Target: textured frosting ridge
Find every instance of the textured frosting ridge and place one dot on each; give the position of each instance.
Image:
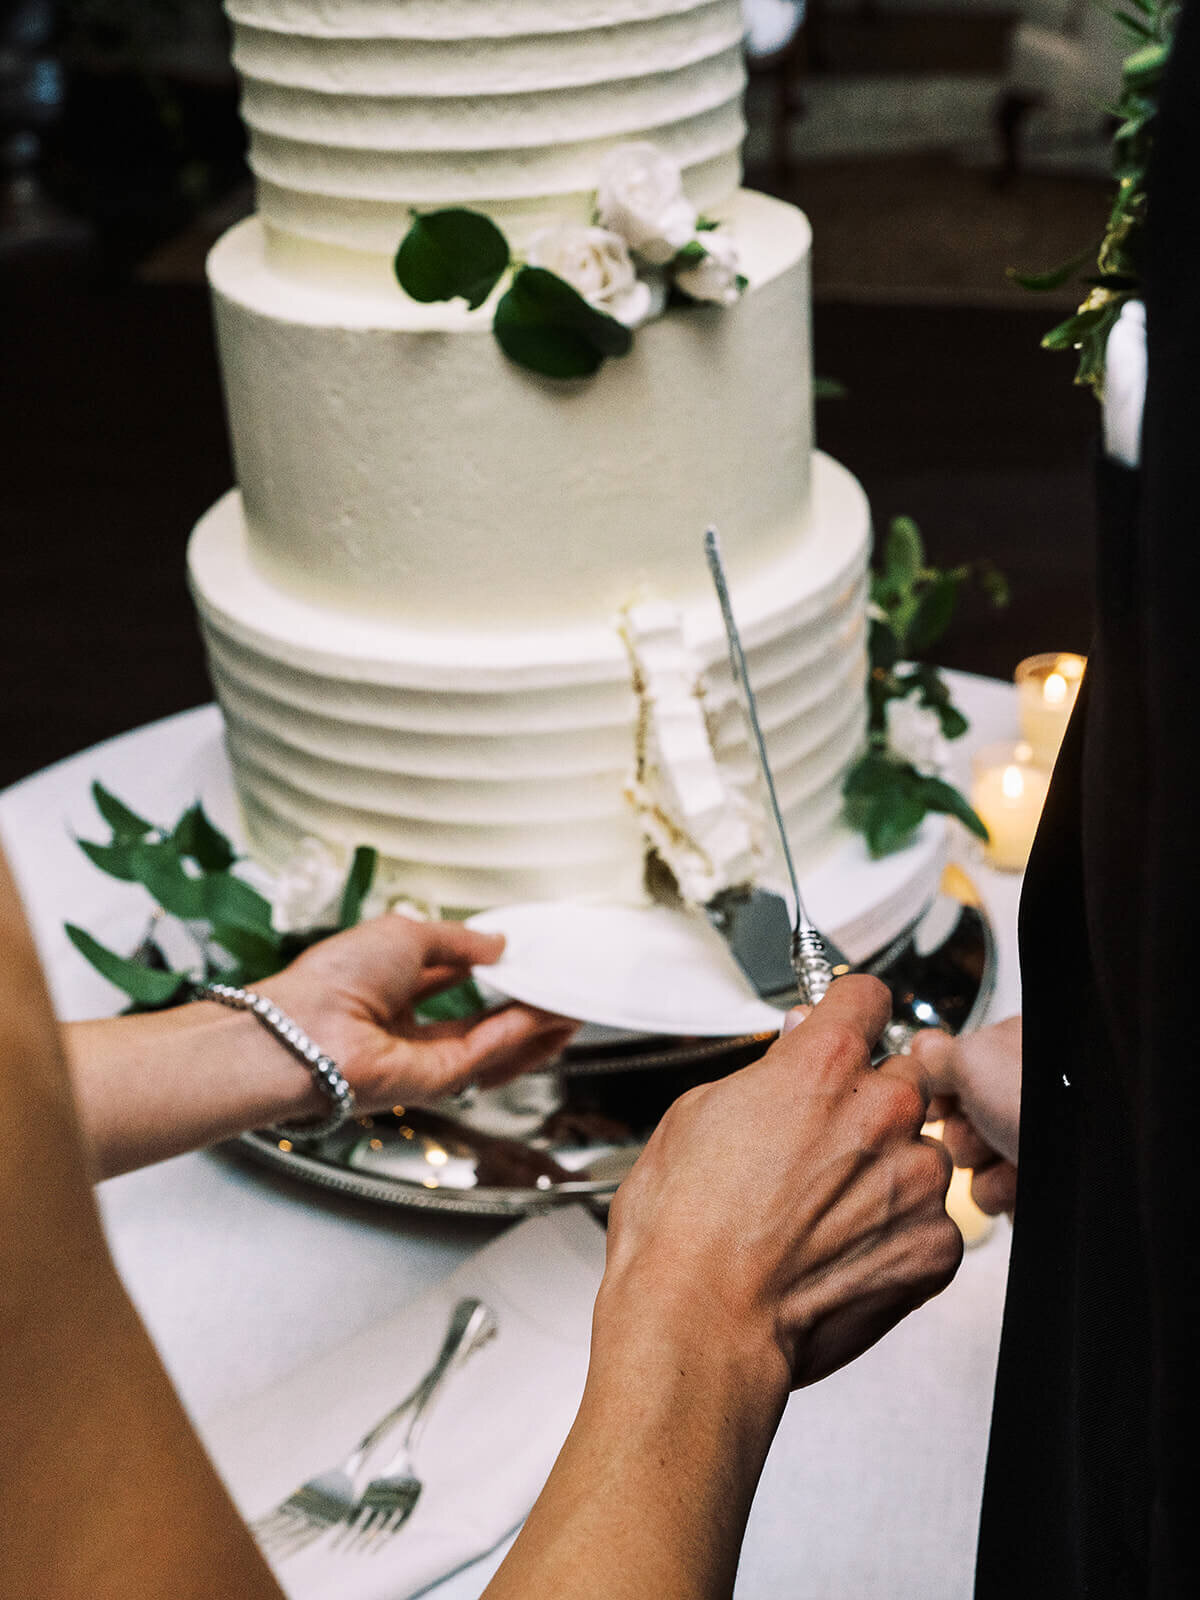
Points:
(358, 112)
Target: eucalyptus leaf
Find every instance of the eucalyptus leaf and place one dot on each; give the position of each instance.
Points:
(452, 254)
(891, 824)
(829, 389)
(1055, 277)
(1069, 334)
(155, 864)
(195, 836)
(904, 553)
(143, 984)
(257, 957)
(452, 1005)
(231, 900)
(1145, 65)
(940, 796)
(542, 323)
(934, 611)
(358, 885)
(125, 824)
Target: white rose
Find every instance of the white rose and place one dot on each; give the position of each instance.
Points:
(597, 264)
(308, 891)
(640, 196)
(715, 275)
(914, 733)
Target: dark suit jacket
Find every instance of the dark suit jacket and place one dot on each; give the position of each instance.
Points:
(1096, 1428)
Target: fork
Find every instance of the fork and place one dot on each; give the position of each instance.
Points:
(332, 1497)
(389, 1500)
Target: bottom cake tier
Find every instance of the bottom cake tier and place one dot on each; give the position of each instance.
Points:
(502, 768)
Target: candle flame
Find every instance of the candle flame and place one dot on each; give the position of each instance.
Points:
(1054, 690)
(1012, 783)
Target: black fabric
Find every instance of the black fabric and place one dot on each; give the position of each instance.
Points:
(1095, 1427)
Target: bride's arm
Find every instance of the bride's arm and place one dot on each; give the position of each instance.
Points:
(155, 1085)
(105, 1489)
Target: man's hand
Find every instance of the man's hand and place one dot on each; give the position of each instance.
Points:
(794, 1203)
(976, 1080)
(355, 993)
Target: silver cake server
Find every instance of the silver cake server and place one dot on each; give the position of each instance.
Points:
(815, 961)
(755, 921)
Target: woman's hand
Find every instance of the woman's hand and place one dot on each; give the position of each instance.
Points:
(794, 1202)
(153, 1086)
(976, 1080)
(778, 1222)
(355, 995)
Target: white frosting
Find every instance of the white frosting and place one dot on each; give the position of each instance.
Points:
(393, 473)
(491, 767)
(356, 113)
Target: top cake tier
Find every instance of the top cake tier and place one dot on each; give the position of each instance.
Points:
(360, 110)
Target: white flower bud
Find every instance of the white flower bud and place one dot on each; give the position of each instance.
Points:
(715, 276)
(640, 196)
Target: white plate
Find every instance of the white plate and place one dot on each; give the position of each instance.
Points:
(646, 969)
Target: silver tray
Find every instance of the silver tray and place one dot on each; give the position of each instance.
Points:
(570, 1136)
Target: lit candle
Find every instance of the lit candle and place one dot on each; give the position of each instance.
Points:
(1047, 688)
(974, 1224)
(1008, 791)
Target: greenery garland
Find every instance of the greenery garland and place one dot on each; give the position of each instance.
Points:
(1118, 256)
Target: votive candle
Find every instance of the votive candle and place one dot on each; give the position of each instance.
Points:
(1008, 791)
(1047, 688)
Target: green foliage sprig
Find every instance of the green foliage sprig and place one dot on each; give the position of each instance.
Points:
(188, 871)
(886, 796)
(541, 321)
(1116, 261)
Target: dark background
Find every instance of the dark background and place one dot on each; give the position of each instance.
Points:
(110, 409)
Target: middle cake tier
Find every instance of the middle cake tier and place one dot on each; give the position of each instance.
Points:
(394, 463)
(491, 768)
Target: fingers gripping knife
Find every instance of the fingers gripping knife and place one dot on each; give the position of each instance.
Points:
(812, 958)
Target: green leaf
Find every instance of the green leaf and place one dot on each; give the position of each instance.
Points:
(1144, 65)
(154, 864)
(883, 648)
(195, 836)
(232, 901)
(829, 389)
(358, 885)
(125, 824)
(1055, 277)
(691, 255)
(939, 796)
(257, 956)
(1067, 335)
(544, 324)
(994, 584)
(452, 1005)
(904, 554)
(893, 822)
(1135, 25)
(448, 255)
(143, 984)
(706, 225)
(932, 616)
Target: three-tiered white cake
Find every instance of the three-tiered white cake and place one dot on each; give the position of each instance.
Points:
(459, 611)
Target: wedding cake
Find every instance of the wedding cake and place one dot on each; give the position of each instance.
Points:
(458, 610)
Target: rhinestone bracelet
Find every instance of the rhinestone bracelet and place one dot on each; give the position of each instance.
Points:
(325, 1072)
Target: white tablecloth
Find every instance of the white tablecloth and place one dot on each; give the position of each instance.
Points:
(872, 1489)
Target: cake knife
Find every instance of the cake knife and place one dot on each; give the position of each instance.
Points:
(813, 958)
